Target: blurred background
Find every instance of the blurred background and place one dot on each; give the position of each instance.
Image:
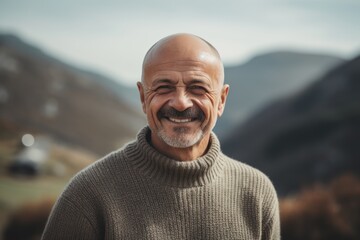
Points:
(68, 73)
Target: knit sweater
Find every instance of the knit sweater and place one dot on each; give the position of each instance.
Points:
(138, 193)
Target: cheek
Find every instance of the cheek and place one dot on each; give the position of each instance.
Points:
(208, 105)
(211, 102)
(154, 104)
(212, 108)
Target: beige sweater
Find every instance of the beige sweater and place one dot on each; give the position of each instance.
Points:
(138, 193)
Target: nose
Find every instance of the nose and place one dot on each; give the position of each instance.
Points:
(180, 100)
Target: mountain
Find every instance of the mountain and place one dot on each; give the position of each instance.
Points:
(266, 77)
(75, 106)
(125, 93)
(310, 136)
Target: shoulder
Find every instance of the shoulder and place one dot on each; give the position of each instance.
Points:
(87, 193)
(255, 186)
(249, 177)
(97, 176)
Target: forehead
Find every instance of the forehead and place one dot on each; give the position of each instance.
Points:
(182, 55)
(180, 49)
(182, 71)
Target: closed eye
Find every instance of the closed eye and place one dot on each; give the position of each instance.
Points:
(164, 89)
(196, 89)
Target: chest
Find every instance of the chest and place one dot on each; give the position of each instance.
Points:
(195, 213)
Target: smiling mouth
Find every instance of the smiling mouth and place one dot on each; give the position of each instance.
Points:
(190, 115)
(182, 120)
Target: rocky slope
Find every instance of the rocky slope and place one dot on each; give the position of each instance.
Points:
(41, 93)
(267, 77)
(310, 136)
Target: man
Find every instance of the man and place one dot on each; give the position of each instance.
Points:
(173, 182)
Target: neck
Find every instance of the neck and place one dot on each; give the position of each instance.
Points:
(182, 154)
(167, 171)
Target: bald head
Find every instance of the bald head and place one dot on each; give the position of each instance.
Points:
(182, 94)
(183, 47)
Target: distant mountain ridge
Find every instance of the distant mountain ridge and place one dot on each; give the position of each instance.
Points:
(252, 85)
(73, 105)
(310, 136)
(125, 93)
(266, 77)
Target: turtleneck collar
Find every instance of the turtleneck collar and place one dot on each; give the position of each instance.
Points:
(170, 172)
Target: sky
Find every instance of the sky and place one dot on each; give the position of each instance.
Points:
(112, 37)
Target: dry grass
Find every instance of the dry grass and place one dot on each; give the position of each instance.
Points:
(323, 212)
(26, 201)
(68, 160)
(17, 192)
(28, 222)
(8, 149)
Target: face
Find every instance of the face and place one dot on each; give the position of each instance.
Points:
(182, 96)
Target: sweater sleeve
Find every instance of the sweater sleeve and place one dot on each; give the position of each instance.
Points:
(271, 230)
(67, 221)
(271, 222)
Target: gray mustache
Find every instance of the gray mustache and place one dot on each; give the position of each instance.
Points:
(169, 112)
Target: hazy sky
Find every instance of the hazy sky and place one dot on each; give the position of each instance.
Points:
(113, 36)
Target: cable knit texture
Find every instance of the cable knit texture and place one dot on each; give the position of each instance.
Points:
(138, 193)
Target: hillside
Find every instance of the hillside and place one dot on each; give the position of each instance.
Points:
(47, 96)
(267, 77)
(307, 137)
(125, 93)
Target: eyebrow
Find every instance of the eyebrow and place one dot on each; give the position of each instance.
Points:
(163, 80)
(173, 82)
(197, 81)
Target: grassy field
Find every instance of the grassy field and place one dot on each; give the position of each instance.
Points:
(16, 192)
(31, 192)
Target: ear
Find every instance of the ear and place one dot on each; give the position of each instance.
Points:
(142, 95)
(224, 93)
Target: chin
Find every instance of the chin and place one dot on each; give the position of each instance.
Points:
(181, 138)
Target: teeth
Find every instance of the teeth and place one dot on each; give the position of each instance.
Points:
(180, 120)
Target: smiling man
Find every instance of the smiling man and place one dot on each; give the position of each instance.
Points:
(173, 181)
(182, 93)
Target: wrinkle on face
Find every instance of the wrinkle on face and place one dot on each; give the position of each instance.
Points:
(181, 74)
